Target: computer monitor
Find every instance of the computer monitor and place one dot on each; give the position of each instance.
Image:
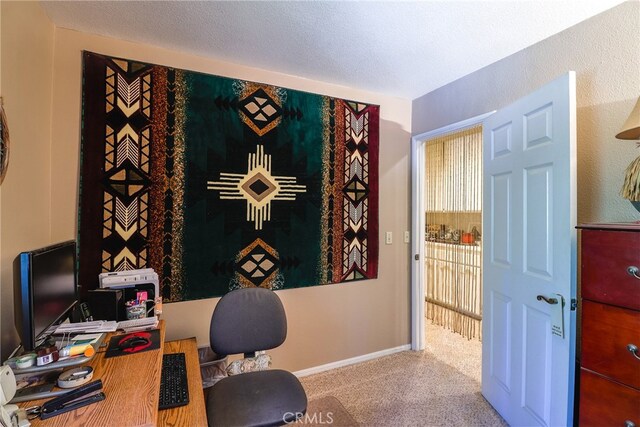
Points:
(44, 290)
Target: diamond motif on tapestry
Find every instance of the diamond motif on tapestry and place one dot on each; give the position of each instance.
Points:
(126, 182)
(258, 186)
(357, 107)
(257, 263)
(260, 109)
(356, 190)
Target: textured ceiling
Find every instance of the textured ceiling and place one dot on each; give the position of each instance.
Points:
(403, 49)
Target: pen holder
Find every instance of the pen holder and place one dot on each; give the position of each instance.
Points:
(136, 310)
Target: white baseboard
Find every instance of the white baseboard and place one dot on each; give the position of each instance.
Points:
(351, 361)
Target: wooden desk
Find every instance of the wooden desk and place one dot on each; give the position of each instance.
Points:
(132, 387)
(195, 413)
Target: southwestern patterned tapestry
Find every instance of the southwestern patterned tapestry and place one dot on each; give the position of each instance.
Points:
(218, 183)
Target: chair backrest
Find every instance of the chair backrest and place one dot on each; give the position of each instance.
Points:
(247, 320)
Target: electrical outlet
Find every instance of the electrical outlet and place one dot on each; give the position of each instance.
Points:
(388, 237)
(407, 237)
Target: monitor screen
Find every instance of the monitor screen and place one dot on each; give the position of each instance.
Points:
(46, 290)
(54, 286)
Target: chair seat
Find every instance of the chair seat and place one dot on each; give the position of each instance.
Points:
(264, 398)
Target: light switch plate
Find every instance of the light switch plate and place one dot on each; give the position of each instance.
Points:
(407, 237)
(388, 237)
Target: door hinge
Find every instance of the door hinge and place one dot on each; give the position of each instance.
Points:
(416, 257)
(574, 304)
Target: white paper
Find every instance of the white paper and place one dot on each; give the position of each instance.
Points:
(557, 318)
(89, 338)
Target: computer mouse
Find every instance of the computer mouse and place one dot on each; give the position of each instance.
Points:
(133, 343)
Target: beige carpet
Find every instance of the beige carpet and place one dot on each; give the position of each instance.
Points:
(436, 387)
(327, 411)
(453, 349)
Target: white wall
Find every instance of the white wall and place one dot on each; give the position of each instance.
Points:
(25, 201)
(605, 53)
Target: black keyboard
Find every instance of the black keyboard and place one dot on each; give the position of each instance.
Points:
(174, 388)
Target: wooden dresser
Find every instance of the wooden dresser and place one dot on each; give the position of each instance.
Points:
(610, 338)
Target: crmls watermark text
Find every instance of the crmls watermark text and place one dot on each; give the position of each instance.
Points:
(315, 418)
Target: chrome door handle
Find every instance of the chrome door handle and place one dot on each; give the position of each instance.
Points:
(633, 349)
(634, 271)
(629, 423)
(547, 300)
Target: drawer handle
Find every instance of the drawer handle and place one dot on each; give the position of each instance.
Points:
(547, 300)
(634, 271)
(629, 423)
(633, 349)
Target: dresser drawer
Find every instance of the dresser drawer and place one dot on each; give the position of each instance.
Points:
(606, 332)
(606, 255)
(606, 403)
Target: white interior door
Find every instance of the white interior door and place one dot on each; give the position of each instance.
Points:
(529, 215)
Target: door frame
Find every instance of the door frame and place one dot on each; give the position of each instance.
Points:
(418, 168)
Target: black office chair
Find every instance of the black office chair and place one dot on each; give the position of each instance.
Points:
(245, 321)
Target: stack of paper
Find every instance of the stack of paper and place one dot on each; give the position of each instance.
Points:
(96, 326)
(139, 324)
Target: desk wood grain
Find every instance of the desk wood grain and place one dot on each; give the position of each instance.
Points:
(193, 414)
(132, 387)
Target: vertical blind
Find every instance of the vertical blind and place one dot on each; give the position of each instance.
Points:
(453, 172)
(454, 221)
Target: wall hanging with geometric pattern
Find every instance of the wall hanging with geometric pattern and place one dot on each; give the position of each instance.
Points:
(219, 184)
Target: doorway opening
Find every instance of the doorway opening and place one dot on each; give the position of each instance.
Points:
(452, 248)
(447, 221)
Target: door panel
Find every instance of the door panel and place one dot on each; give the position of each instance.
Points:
(500, 214)
(529, 220)
(538, 236)
(501, 141)
(500, 357)
(537, 126)
(537, 359)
